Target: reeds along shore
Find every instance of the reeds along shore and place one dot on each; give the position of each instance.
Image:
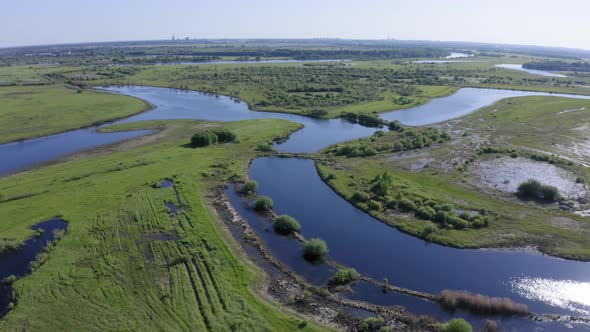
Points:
(478, 303)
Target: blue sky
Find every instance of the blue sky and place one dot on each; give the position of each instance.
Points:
(540, 22)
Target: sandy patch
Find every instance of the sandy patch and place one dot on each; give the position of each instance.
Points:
(506, 173)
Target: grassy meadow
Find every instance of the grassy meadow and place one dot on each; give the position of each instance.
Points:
(442, 173)
(126, 263)
(38, 110)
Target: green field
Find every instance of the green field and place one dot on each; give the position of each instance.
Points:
(125, 263)
(34, 111)
(530, 125)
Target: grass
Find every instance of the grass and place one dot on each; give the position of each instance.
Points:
(527, 123)
(550, 124)
(107, 273)
(34, 111)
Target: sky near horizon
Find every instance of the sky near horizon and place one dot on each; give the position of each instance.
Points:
(562, 23)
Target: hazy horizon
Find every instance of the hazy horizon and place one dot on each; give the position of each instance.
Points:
(526, 22)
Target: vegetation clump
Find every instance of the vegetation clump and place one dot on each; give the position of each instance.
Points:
(315, 249)
(374, 205)
(535, 190)
(457, 325)
(366, 120)
(360, 197)
(286, 225)
(356, 150)
(263, 203)
(482, 304)
(395, 125)
(373, 324)
(212, 137)
(344, 276)
(249, 187)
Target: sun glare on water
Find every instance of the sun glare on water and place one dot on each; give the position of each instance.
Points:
(567, 294)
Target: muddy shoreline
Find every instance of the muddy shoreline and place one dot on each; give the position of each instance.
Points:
(285, 287)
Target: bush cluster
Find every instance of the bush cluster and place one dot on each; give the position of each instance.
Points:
(535, 190)
(344, 276)
(457, 325)
(442, 214)
(414, 139)
(315, 249)
(211, 137)
(249, 187)
(286, 225)
(263, 203)
(373, 324)
(356, 150)
(366, 120)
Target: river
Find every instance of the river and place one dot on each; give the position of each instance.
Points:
(355, 239)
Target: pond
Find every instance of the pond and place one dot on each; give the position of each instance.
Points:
(17, 262)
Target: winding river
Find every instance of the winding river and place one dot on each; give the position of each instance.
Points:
(355, 239)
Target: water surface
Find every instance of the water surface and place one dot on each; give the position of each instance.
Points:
(358, 240)
(17, 262)
(530, 71)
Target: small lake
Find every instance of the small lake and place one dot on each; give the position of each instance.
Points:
(17, 262)
(530, 71)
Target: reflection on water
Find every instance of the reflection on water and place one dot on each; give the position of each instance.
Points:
(567, 294)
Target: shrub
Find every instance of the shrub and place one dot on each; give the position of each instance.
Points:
(425, 212)
(249, 187)
(391, 204)
(407, 205)
(368, 120)
(446, 207)
(441, 217)
(533, 189)
(428, 230)
(314, 249)
(204, 138)
(286, 225)
(395, 125)
(264, 147)
(360, 196)
(344, 276)
(373, 324)
(263, 203)
(224, 135)
(379, 133)
(318, 113)
(457, 325)
(580, 179)
(211, 137)
(10, 279)
(350, 116)
(457, 222)
(374, 205)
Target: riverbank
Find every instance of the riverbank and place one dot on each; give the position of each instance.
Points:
(289, 289)
(31, 112)
(126, 257)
